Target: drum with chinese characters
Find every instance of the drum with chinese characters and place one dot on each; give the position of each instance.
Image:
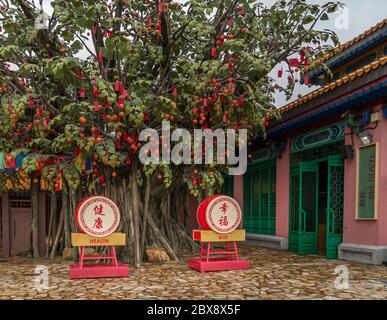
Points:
(97, 216)
(219, 213)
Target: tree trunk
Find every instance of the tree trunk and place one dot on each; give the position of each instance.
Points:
(159, 236)
(136, 218)
(60, 226)
(53, 207)
(66, 219)
(144, 216)
(35, 220)
(186, 210)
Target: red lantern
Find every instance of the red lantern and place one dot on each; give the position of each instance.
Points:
(241, 10)
(160, 7)
(95, 90)
(241, 101)
(294, 62)
(230, 21)
(116, 86)
(79, 73)
(39, 112)
(213, 52)
(122, 88)
(82, 92)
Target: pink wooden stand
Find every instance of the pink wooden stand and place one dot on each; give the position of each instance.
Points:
(228, 260)
(82, 270)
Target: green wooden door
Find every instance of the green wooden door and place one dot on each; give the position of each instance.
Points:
(335, 205)
(259, 199)
(294, 209)
(303, 208)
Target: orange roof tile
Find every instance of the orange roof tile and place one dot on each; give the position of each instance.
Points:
(331, 86)
(348, 44)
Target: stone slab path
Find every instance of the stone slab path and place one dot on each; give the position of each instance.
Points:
(274, 275)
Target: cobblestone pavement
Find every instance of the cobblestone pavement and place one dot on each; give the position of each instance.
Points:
(274, 275)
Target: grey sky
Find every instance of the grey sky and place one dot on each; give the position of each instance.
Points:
(362, 15)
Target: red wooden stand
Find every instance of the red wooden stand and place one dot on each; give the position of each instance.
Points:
(227, 259)
(114, 269)
(98, 270)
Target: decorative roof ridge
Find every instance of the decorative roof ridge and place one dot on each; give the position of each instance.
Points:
(348, 44)
(331, 86)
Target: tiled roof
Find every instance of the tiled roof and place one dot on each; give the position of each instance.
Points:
(349, 44)
(331, 86)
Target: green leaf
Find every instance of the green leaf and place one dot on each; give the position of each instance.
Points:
(324, 17)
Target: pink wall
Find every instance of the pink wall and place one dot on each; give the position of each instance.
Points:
(282, 193)
(358, 231)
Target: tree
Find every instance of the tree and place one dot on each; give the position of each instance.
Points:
(80, 91)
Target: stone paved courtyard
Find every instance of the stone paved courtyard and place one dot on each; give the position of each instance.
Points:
(274, 275)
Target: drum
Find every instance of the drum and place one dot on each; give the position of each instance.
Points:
(97, 216)
(219, 213)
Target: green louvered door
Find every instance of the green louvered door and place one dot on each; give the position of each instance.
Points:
(304, 208)
(335, 205)
(259, 199)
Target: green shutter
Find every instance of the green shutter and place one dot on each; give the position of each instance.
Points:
(259, 199)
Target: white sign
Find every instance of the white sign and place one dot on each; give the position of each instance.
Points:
(97, 216)
(223, 214)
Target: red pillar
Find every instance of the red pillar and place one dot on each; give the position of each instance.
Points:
(5, 225)
(282, 193)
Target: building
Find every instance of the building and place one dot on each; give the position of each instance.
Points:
(320, 185)
(16, 218)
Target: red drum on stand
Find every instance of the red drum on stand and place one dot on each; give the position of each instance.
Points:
(219, 213)
(97, 216)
